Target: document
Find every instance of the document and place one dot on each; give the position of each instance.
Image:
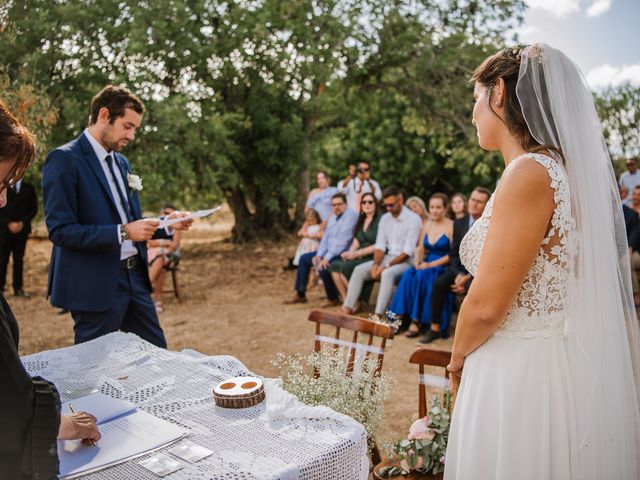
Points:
(126, 436)
(167, 222)
(101, 406)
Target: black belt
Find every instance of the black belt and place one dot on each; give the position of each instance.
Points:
(129, 263)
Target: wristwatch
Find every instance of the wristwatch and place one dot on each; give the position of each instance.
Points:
(124, 235)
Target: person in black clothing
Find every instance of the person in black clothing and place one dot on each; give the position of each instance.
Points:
(15, 226)
(29, 407)
(455, 278)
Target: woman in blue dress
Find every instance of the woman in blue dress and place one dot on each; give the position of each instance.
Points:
(413, 295)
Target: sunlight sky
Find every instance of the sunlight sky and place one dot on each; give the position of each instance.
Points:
(601, 36)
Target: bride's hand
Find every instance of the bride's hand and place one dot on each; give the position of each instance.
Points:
(455, 365)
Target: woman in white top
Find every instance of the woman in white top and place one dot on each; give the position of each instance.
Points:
(547, 335)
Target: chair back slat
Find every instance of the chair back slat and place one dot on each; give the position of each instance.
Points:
(357, 325)
(435, 357)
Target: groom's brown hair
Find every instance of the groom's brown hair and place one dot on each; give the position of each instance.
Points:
(116, 100)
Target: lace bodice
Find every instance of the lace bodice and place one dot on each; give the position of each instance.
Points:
(539, 307)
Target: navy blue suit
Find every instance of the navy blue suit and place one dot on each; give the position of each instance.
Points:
(86, 275)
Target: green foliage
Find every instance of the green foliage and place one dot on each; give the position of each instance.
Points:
(246, 98)
(619, 113)
(425, 448)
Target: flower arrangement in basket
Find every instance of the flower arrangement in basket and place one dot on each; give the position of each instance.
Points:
(322, 379)
(425, 447)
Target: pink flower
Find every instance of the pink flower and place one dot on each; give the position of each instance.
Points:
(420, 430)
(405, 465)
(442, 459)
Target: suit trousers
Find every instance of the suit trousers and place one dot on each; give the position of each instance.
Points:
(12, 245)
(440, 292)
(305, 264)
(389, 277)
(133, 311)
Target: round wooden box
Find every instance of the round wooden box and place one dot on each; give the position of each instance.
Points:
(239, 392)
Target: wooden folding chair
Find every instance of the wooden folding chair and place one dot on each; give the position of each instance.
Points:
(432, 356)
(172, 266)
(357, 329)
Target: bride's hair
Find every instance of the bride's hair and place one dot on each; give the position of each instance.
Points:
(506, 65)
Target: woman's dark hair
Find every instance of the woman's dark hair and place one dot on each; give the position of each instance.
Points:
(116, 100)
(363, 216)
(441, 196)
(17, 145)
(506, 65)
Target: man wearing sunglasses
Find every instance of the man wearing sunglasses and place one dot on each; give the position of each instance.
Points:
(359, 185)
(398, 234)
(336, 239)
(630, 179)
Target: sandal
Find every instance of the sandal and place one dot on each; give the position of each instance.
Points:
(413, 331)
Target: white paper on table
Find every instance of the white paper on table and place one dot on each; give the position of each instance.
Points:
(124, 438)
(102, 407)
(167, 222)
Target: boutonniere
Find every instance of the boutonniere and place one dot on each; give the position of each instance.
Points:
(134, 181)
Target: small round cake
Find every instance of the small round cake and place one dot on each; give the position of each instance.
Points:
(239, 392)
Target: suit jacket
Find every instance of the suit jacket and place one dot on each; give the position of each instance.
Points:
(460, 229)
(21, 207)
(631, 222)
(81, 217)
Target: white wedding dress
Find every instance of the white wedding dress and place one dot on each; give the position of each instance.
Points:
(512, 415)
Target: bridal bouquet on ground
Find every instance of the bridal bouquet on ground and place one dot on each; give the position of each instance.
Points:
(424, 448)
(322, 379)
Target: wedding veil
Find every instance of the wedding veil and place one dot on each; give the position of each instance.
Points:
(603, 342)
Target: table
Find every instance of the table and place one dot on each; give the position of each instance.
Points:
(280, 438)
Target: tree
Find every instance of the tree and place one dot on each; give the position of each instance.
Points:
(619, 111)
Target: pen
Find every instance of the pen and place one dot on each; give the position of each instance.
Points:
(73, 410)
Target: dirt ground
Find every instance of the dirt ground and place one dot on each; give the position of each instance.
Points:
(233, 305)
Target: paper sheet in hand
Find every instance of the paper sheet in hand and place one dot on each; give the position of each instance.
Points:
(167, 222)
(127, 436)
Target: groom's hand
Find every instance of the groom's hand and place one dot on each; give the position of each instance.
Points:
(142, 230)
(180, 225)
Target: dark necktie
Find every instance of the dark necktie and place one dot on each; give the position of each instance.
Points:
(123, 197)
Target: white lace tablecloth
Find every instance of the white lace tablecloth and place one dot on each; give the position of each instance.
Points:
(279, 439)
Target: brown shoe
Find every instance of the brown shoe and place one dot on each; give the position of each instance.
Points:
(295, 299)
(330, 303)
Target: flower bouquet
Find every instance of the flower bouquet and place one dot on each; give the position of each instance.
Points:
(322, 379)
(425, 447)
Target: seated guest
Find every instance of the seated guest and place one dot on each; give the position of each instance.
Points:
(632, 226)
(336, 239)
(398, 233)
(412, 298)
(320, 198)
(457, 207)
(455, 277)
(416, 204)
(311, 233)
(362, 246)
(160, 252)
(30, 407)
(359, 185)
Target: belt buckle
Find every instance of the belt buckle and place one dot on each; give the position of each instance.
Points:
(131, 262)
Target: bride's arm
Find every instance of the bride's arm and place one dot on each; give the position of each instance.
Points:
(521, 213)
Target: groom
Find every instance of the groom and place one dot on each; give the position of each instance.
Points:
(98, 267)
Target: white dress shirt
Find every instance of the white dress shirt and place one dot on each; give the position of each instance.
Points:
(399, 235)
(355, 186)
(127, 248)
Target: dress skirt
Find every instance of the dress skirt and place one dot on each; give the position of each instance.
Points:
(512, 417)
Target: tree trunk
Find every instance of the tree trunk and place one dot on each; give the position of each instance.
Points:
(243, 231)
(303, 176)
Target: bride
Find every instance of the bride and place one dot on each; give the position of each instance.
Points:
(547, 335)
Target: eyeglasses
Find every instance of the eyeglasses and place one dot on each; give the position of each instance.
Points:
(389, 205)
(334, 205)
(367, 202)
(362, 170)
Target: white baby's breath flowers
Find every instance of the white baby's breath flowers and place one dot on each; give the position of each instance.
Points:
(321, 379)
(134, 182)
